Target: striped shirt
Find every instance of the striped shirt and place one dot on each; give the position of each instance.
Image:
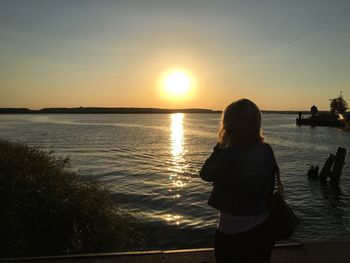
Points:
(231, 224)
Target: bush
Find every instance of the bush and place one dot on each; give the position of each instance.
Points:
(47, 210)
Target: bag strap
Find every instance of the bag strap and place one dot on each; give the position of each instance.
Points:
(280, 187)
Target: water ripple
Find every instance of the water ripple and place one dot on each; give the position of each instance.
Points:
(151, 164)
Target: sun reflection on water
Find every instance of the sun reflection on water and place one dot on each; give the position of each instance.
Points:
(178, 163)
(173, 218)
(177, 147)
(177, 135)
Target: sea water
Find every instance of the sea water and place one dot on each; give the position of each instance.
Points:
(151, 162)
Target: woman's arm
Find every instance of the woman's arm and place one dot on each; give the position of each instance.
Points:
(275, 168)
(214, 165)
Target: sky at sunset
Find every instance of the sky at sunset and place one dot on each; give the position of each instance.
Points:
(284, 55)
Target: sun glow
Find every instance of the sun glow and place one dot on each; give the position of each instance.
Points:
(177, 85)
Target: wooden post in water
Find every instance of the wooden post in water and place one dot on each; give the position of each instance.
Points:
(326, 169)
(338, 165)
(313, 172)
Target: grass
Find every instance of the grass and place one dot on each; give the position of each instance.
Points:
(45, 209)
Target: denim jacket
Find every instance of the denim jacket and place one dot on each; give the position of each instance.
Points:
(242, 177)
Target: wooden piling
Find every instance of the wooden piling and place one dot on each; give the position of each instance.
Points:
(338, 165)
(326, 169)
(313, 172)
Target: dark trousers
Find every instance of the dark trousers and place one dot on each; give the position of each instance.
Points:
(252, 246)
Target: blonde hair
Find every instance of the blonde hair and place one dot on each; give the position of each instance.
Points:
(240, 124)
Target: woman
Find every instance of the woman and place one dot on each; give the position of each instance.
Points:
(242, 168)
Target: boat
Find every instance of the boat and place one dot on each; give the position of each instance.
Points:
(324, 119)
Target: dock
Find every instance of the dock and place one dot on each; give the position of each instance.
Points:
(320, 252)
(320, 120)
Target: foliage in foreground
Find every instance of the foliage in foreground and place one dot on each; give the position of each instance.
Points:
(47, 210)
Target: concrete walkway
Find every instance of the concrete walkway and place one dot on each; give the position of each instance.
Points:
(320, 252)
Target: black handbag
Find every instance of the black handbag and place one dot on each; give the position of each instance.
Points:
(282, 218)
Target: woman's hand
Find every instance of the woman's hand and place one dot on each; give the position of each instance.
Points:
(213, 164)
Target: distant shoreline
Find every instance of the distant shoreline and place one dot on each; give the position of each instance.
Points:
(102, 110)
(122, 110)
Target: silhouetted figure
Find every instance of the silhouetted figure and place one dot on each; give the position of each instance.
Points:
(313, 110)
(242, 168)
(300, 114)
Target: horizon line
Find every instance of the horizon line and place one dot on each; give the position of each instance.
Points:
(83, 109)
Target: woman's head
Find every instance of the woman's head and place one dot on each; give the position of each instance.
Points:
(240, 124)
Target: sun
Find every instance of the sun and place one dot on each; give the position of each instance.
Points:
(177, 84)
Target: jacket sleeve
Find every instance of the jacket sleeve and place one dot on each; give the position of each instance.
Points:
(214, 165)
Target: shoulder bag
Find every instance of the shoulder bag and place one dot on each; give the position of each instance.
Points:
(283, 220)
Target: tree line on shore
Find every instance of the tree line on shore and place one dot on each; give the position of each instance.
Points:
(101, 110)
